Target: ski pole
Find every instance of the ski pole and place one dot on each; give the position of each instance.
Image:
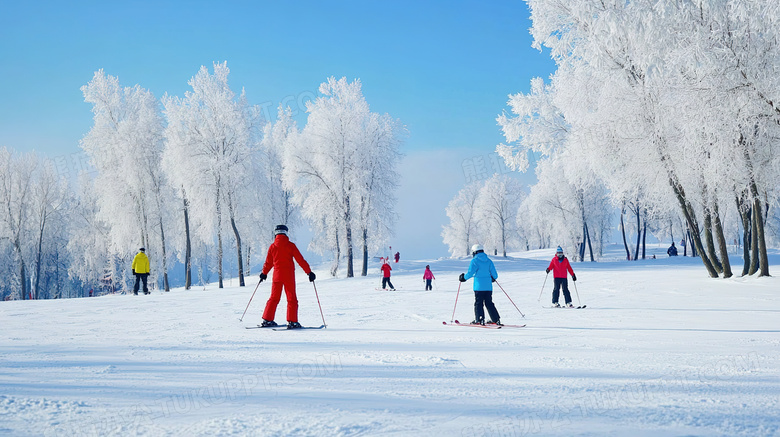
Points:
(250, 301)
(510, 299)
(578, 293)
(318, 303)
(456, 303)
(545, 283)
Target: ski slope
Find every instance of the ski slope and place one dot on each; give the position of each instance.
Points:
(661, 350)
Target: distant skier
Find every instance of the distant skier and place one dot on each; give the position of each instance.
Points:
(386, 276)
(672, 251)
(280, 257)
(560, 266)
(397, 257)
(428, 277)
(484, 273)
(141, 270)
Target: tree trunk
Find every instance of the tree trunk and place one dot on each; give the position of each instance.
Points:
(348, 235)
(219, 238)
(57, 290)
(724, 251)
(744, 214)
(644, 237)
(590, 246)
(166, 287)
(38, 256)
(503, 237)
(334, 269)
(364, 271)
(238, 251)
(759, 220)
(638, 233)
(188, 245)
(710, 241)
(693, 227)
(754, 242)
(623, 231)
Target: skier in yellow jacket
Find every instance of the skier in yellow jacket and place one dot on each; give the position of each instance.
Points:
(141, 270)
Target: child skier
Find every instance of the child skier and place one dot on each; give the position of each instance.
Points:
(484, 273)
(280, 257)
(386, 276)
(428, 277)
(560, 266)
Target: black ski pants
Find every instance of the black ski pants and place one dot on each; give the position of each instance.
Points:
(428, 285)
(386, 282)
(561, 282)
(142, 277)
(482, 300)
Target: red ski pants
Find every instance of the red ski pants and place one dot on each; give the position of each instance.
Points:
(276, 295)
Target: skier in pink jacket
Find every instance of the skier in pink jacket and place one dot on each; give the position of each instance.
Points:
(428, 277)
(560, 267)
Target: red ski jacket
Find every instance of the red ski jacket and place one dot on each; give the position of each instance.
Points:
(280, 258)
(559, 268)
(386, 270)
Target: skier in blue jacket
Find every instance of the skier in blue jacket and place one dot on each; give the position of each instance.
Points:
(484, 273)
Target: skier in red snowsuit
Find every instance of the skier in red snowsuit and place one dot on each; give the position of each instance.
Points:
(386, 276)
(280, 257)
(560, 267)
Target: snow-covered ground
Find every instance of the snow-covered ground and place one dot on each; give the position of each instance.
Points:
(661, 350)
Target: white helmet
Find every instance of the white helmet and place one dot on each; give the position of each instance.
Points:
(477, 248)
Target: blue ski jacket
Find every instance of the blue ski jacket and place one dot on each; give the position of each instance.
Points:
(483, 271)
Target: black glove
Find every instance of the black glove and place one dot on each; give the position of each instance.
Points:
(312, 276)
(462, 277)
(547, 271)
(492, 279)
(133, 271)
(574, 277)
(263, 277)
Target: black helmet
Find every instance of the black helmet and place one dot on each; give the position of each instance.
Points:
(280, 229)
(142, 249)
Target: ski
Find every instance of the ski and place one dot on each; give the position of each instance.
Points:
(565, 308)
(262, 327)
(457, 323)
(282, 328)
(510, 326)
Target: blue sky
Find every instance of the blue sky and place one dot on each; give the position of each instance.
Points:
(444, 68)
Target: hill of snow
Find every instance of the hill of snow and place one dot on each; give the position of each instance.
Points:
(661, 350)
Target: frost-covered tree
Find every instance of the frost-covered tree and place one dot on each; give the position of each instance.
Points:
(278, 205)
(376, 182)
(497, 205)
(208, 146)
(341, 170)
(34, 223)
(673, 97)
(16, 200)
(50, 196)
(462, 230)
(125, 146)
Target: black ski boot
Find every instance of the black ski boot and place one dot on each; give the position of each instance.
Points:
(268, 323)
(478, 322)
(293, 325)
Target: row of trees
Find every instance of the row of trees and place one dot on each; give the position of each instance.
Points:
(485, 212)
(669, 109)
(187, 177)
